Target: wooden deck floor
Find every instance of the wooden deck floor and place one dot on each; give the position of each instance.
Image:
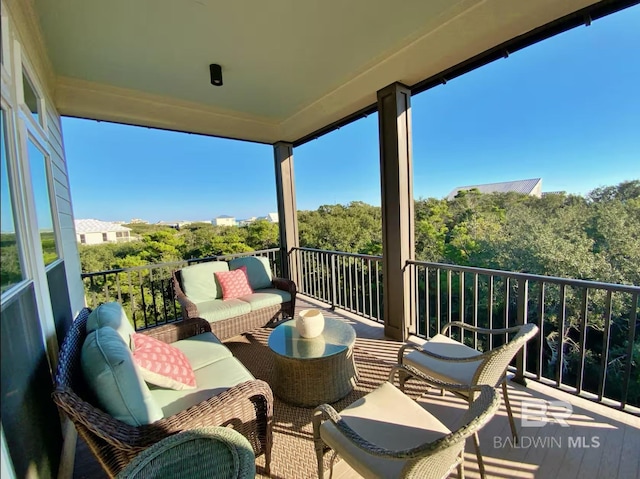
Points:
(598, 441)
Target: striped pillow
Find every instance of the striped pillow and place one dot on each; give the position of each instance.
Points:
(161, 364)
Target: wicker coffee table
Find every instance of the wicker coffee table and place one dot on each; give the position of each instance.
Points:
(309, 372)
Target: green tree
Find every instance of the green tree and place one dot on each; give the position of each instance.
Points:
(262, 234)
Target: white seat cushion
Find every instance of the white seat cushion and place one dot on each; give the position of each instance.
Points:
(388, 418)
(446, 371)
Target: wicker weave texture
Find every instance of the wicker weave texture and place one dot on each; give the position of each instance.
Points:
(309, 382)
(432, 460)
(231, 327)
(211, 453)
(246, 407)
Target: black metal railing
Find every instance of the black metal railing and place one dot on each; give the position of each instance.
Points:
(587, 344)
(146, 292)
(349, 281)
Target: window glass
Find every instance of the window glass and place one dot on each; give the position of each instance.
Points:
(11, 271)
(31, 97)
(44, 210)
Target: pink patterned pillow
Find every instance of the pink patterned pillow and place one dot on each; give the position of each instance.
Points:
(234, 283)
(162, 364)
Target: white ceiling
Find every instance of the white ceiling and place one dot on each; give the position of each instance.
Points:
(289, 67)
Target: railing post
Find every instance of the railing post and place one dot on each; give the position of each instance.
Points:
(334, 284)
(521, 318)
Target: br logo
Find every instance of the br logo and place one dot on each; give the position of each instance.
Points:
(538, 412)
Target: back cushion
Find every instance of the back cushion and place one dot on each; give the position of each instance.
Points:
(111, 315)
(199, 282)
(109, 370)
(258, 270)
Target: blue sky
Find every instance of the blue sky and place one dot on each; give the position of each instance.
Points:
(566, 110)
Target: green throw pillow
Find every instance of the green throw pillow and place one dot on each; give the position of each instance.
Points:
(112, 315)
(258, 270)
(109, 370)
(199, 282)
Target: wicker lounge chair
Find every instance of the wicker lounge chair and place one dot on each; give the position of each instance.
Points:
(247, 407)
(403, 441)
(211, 453)
(450, 361)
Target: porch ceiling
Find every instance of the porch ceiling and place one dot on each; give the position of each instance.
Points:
(289, 67)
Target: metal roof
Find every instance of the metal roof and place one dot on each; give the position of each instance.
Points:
(519, 186)
(97, 226)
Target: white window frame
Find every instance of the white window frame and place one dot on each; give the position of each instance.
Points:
(42, 146)
(13, 172)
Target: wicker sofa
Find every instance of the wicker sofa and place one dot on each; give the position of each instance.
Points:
(200, 296)
(227, 395)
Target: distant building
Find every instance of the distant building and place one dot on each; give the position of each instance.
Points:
(532, 187)
(272, 217)
(98, 232)
(224, 220)
(138, 221)
(180, 224)
(247, 221)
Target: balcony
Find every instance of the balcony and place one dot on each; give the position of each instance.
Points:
(284, 93)
(595, 439)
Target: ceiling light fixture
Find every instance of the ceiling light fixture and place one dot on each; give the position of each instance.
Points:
(216, 74)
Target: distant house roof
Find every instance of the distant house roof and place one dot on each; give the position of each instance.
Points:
(526, 187)
(224, 216)
(270, 217)
(97, 226)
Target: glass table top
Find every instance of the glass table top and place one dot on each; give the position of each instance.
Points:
(336, 337)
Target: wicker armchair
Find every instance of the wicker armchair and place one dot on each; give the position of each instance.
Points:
(247, 407)
(231, 327)
(205, 453)
(403, 441)
(450, 361)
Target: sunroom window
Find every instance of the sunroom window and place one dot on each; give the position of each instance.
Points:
(11, 271)
(31, 98)
(44, 206)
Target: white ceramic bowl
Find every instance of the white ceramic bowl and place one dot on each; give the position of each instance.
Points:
(310, 323)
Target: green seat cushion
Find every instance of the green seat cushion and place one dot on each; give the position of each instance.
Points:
(112, 315)
(199, 282)
(115, 380)
(212, 380)
(266, 297)
(202, 349)
(258, 270)
(217, 309)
